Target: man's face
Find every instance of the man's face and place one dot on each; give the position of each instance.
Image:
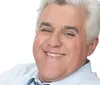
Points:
(60, 43)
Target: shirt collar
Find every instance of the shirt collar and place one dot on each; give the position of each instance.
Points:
(72, 79)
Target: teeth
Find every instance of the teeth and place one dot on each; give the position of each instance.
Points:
(54, 55)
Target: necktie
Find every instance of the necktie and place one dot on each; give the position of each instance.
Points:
(35, 83)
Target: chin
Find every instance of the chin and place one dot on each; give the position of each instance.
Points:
(47, 76)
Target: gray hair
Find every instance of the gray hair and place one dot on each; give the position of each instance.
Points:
(93, 12)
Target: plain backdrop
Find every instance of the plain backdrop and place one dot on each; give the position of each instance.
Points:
(17, 31)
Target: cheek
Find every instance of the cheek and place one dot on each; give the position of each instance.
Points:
(39, 40)
(38, 44)
(72, 45)
(75, 48)
(77, 51)
(37, 48)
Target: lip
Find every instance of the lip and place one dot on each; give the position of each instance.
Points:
(55, 53)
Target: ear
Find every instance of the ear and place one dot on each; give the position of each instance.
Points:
(92, 45)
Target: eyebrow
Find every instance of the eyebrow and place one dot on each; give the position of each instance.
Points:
(65, 27)
(71, 28)
(45, 24)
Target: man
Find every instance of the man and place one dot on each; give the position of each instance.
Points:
(67, 33)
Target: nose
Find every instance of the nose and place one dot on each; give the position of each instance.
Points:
(54, 40)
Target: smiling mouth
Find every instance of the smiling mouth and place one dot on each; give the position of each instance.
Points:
(54, 55)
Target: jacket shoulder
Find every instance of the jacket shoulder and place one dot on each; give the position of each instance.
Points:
(94, 79)
(91, 80)
(17, 71)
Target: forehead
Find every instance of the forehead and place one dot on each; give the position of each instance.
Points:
(63, 15)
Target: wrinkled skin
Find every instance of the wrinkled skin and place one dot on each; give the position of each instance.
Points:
(61, 33)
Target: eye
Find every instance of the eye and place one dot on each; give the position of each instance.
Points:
(69, 34)
(45, 30)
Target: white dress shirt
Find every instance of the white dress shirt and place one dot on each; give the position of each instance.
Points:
(21, 74)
